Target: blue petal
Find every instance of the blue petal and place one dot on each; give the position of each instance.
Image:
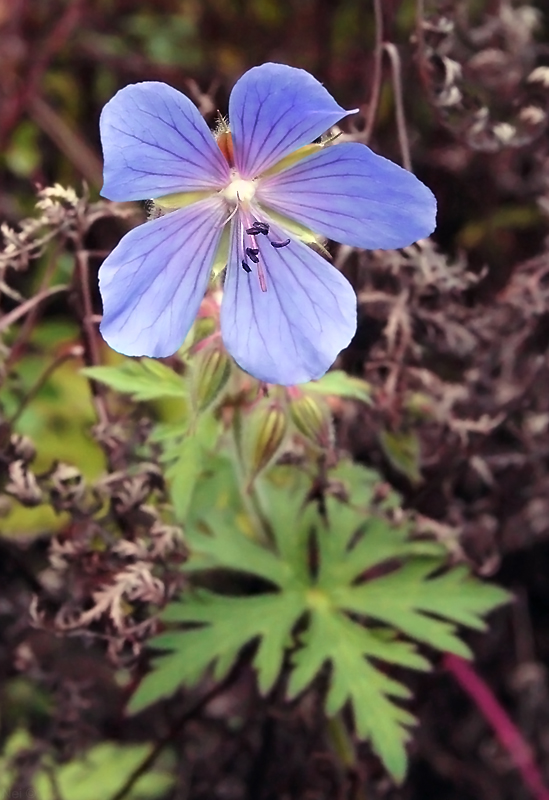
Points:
(154, 280)
(273, 110)
(293, 332)
(351, 195)
(155, 142)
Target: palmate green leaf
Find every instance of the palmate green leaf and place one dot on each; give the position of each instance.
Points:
(332, 637)
(409, 596)
(143, 379)
(229, 624)
(361, 592)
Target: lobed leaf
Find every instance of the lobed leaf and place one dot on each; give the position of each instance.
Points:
(144, 379)
(356, 586)
(333, 638)
(228, 624)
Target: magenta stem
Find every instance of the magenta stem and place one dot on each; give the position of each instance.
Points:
(506, 732)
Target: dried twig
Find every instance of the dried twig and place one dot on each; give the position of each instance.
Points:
(394, 57)
(28, 305)
(376, 77)
(149, 761)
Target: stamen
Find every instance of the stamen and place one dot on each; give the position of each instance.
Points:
(261, 276)
(252, 253)
(281, 244)
(229, 218)
(255, 228)
(258, 227)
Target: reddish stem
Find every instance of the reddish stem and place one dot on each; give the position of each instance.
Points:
(506, 732)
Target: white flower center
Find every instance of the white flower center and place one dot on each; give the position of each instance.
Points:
(239, 191)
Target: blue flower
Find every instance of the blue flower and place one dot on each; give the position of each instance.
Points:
(249, 198)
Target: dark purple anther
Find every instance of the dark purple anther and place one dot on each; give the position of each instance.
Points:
(253, 253)
(281, 244)
(258, 227)
(246, 267)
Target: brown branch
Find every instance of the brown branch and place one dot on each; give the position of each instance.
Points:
(74, 352)
(394, 57)
(376, 79)
(28, 305)
(89, 332)
(423, 66)
(30, 84)
(176, 726)
(73, 147)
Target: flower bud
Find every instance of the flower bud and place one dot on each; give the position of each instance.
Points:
(312, 419)
(264, 432)
(211, 369)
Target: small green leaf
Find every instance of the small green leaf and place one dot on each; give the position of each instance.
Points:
(19, 741)
(410, 599)
(402, 448)
(144, 379)
(186, 457)
(358, 484)
(113, 764)
(338, 384)
(183, 472)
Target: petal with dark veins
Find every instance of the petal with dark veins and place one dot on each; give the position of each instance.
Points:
(349, 194)
(153, 282)
(293, 332)
(155, 142)
(275, 109)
